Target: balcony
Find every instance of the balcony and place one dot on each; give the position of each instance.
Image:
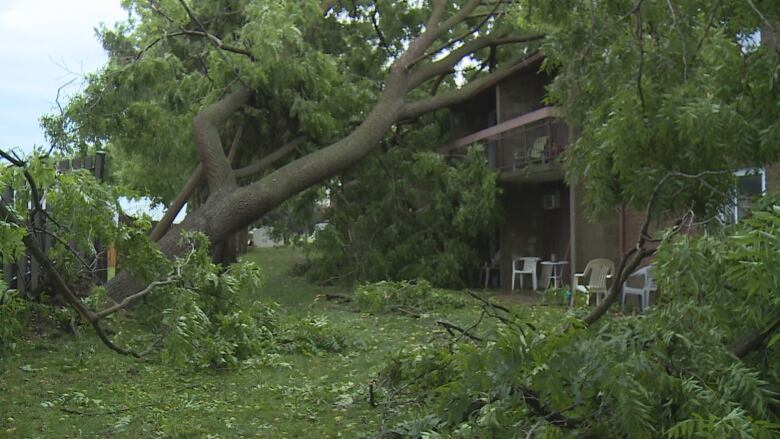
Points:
(524, 148)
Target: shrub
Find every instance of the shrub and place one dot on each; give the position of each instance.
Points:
(425, 223)
(14, 313)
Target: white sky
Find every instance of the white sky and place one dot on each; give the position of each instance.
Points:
(43, 45)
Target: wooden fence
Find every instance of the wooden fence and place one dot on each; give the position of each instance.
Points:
(26, 274)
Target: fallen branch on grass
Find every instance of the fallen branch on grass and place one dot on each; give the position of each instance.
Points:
(452, 328)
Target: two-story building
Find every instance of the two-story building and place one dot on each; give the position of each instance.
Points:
(543, 216)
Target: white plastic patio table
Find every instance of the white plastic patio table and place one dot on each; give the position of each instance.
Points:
(557, 272)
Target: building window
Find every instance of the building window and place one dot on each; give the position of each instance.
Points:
(751, 183)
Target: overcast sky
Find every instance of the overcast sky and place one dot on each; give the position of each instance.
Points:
(43, 45)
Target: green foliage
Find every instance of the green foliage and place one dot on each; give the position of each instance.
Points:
(663, 374)
(209, 324)
(202, 336)
(731, 271)
(419, 369)
(668, 373)
(204, 316)
(420, 427)
(80, 211)
(407, 216)
(214, 320)
(660, 87)
(13, 315)
(385, 296)
(557, 296)
(313, 335)
(279, 394)
(85, 210)
(140, 106)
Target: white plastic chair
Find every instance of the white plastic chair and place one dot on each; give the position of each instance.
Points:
(644, 291)
(528, 268)
(536, 152)
(598, 272)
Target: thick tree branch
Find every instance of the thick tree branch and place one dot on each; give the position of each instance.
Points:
(462, 37)
(461, 15)
(229, 207)
(196, 179)
(755, 340)
(415, 109)
(438, 7)
(273, 189)
(263, 164)
(433, 30)
(206, 126)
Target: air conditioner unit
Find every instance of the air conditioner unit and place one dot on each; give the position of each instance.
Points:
(551, 201)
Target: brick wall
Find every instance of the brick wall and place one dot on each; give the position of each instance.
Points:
(632, 224)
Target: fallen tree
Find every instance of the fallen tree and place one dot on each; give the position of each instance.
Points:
(410, 48)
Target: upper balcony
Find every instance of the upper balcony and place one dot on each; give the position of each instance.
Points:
(522, 149)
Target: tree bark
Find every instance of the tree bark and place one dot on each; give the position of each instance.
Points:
(755, 340)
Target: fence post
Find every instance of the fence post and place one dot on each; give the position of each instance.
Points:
(98, 167)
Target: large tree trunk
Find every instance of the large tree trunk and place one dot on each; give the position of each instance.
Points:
(231, 207)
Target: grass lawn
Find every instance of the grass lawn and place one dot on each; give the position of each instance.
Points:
(72, 386)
